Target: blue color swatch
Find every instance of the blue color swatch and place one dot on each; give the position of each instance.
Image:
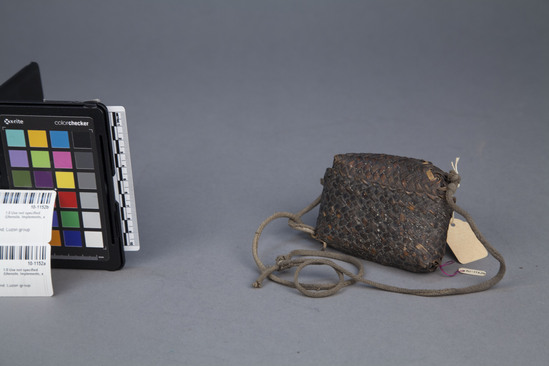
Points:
(59, 139)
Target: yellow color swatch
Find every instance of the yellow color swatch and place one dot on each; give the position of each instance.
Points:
(37, 138)
(55, 238)
(64, 179)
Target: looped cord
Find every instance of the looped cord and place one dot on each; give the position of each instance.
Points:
(441, 267)
(300, 259)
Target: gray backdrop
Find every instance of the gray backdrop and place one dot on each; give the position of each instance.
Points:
(235, 110)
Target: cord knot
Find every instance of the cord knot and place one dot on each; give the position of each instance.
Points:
(454, 177)
(281, 258)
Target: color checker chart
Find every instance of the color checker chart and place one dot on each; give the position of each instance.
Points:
(48, 152)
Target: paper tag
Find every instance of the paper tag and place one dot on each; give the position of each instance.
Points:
(25, 230)
(464, 243)
(472, 272)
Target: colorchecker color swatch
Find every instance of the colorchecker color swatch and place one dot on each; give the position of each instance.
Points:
(60, 153)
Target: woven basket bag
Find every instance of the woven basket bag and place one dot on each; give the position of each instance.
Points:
(387, 209)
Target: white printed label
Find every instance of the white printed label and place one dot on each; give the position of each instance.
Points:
(25, 270)
(472, 272)
(25, 230)
(26, 216)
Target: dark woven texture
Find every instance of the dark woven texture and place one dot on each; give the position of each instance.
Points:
(386, 209)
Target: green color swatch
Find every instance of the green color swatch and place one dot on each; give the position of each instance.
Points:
(21, 178)
(40, 159)
(70, 219)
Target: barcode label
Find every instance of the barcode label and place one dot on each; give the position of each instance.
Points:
(26, 216)
(27, 198)
(25, 270)
(25, 230)
(23, 252)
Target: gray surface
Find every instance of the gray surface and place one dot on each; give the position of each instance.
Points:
(235, 110)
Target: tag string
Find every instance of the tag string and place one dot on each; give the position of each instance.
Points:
(441, 267)
(300, 259)
(455, 166)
